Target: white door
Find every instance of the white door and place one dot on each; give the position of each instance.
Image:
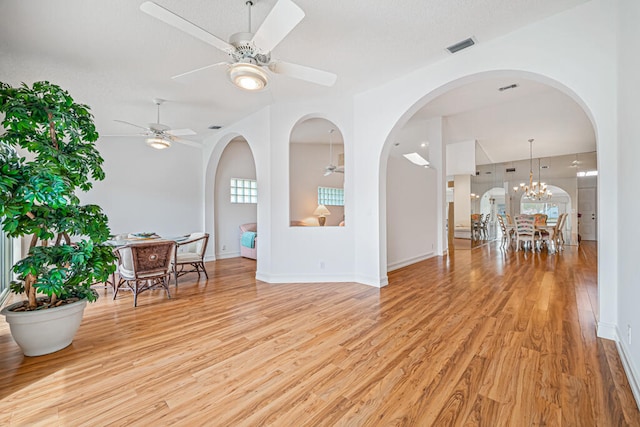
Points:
(587, 223)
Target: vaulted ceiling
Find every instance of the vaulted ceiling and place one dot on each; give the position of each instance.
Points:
(116, 58)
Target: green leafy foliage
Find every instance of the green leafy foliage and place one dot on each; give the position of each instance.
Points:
(37, 197)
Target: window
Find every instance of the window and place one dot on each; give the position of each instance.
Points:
(330, 196)
(6, 261)
(244, 190)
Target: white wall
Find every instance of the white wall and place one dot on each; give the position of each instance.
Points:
(628, 291)
(461, 158)
(462, 203)
(307, 163)
(236, 162)
(411, 208)
(147, 189)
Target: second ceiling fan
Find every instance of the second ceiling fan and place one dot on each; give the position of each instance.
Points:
(250, 54)
(331, 168)
(160, 136)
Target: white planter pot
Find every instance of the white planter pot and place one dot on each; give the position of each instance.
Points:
(44, 331)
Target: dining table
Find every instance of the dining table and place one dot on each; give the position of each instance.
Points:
(120, 240)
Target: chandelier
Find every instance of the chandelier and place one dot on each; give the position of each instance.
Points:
(536, 190)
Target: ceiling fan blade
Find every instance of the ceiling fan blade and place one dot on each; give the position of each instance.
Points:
(132, 124)
(187, 142)
(180, 132)
(302, 72)
(198, 69)
(168, 17)
(283, 18)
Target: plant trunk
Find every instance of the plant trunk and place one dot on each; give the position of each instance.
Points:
(30, 290)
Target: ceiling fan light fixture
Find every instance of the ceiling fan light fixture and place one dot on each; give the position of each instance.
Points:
(248, 76)
(158, 143)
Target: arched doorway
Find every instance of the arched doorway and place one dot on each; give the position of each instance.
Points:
(550, 97)
(235, 195)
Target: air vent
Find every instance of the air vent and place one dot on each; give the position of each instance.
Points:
(215, 127)
(508, 170)
(503, 88)
(461, 45)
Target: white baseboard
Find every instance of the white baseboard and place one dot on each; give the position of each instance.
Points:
(227, 255)
(403, 263)
(372, 281)
(629, 368)
(312, 278)
(608, 331)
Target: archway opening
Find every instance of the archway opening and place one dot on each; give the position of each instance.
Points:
(499, 124)
(316, 174)
(235, 200)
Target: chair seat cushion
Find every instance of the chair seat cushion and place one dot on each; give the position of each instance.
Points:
(187, 257)
(129, 275)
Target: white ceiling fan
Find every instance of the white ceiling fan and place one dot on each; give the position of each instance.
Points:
(161, 136)
(250, 54)
(331, 168)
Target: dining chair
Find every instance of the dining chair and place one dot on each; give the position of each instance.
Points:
(191, 253)
(506, 235)
(484, 226)
(558, 235)
(476, 220)
(539, 219)
(509, 219)
(540, 224)
(144, 266)
(525, 231)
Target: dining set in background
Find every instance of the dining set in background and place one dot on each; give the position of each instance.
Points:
(532, 232)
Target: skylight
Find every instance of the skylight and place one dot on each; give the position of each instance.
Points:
(416, 159)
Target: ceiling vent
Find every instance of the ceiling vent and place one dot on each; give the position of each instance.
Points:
(511, 86)
(509, 170)
(461, 45)
(215, 127)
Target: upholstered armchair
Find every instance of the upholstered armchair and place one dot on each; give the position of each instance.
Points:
(190, 255)
(249, 240)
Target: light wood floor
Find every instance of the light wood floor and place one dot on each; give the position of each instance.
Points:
(482, 337)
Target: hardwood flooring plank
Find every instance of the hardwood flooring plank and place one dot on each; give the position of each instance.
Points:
(484, 337)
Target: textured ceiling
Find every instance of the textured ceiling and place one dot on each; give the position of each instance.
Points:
(115, 58)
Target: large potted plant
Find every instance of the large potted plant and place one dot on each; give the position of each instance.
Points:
(47, 153)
